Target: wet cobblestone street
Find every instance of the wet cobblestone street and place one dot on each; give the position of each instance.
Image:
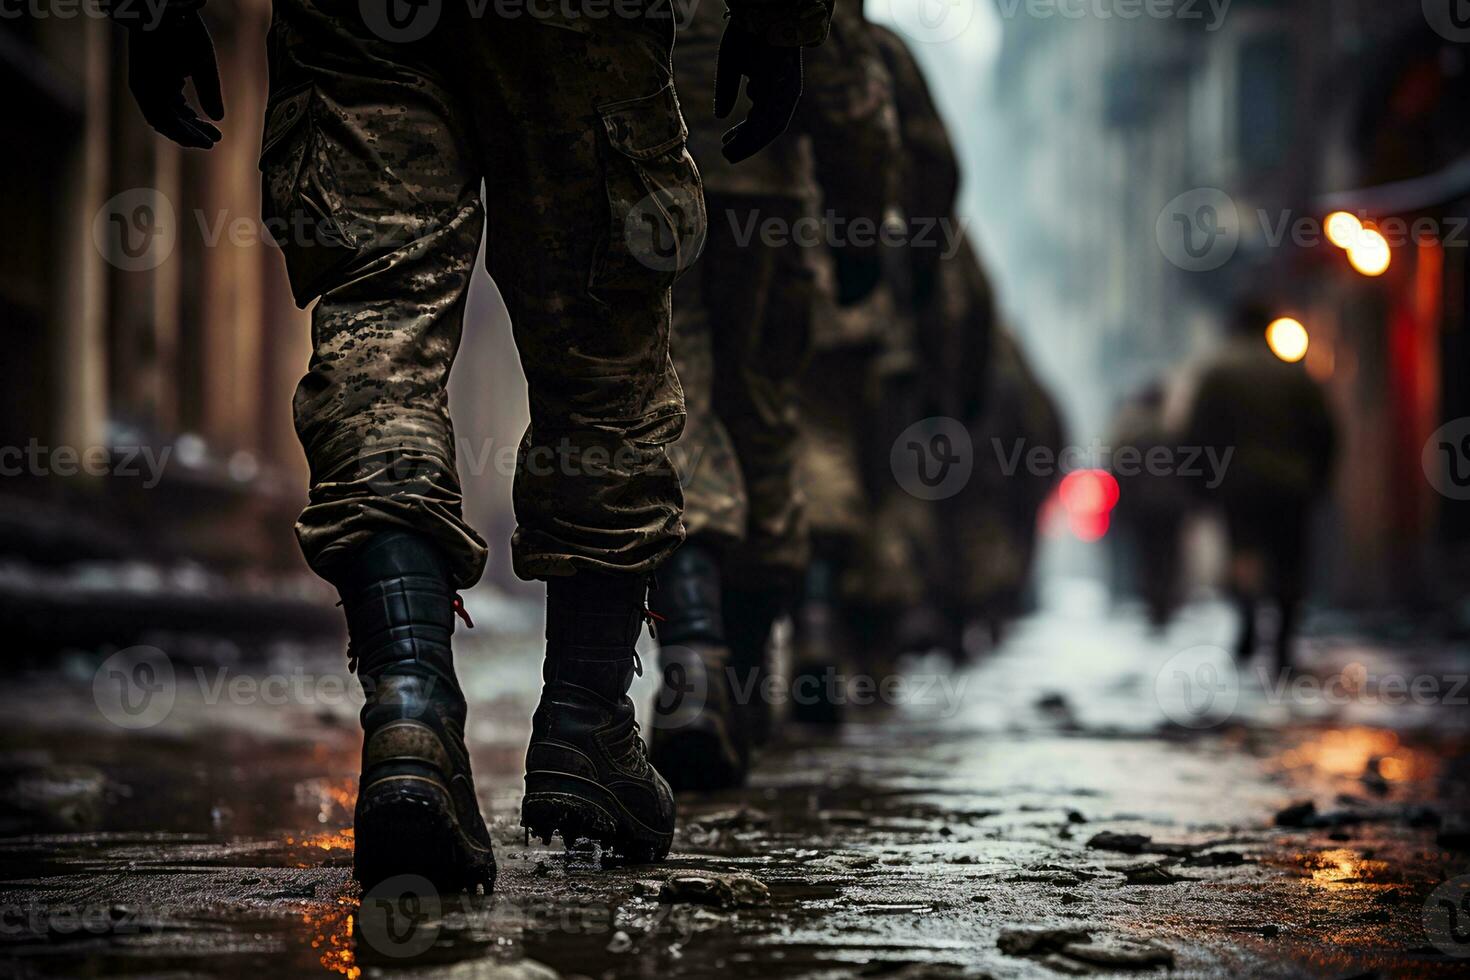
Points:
(1052, 810)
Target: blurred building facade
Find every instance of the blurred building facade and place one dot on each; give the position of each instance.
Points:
(151, 347)
(143, 308)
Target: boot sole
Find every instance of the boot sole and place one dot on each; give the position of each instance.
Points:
(579, 809)
(406, 825)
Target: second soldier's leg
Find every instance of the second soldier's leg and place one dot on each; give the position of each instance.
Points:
(758, 372)
(699, 738)
(594, 207)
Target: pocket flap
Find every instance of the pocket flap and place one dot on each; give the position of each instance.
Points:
(284, 116)
(645, 127)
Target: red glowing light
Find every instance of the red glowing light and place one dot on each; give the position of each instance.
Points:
(1088, 498)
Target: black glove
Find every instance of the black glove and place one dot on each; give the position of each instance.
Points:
(774, 90)
(161, 55)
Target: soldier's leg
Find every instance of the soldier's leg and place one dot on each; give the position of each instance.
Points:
(758, 371)
(1290, 539)
(375, 202)
(699, 733)
(715, 503)
(594, 206)
(369, 188)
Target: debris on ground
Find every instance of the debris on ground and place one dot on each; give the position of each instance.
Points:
(1300, 814)
(1075, 951)
(725, 891)
(1149, 874)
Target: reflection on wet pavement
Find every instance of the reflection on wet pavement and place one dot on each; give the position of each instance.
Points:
(1042, 814)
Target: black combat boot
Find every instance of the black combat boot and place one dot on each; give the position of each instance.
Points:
(750, 615)
(416, 807)
(587, 771)
(699, 734)
(814, 699)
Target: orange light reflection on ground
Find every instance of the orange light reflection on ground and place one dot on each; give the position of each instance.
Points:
(331, 934)
(1354, 751)
(1342, 866)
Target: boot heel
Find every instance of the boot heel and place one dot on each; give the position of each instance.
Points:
(405, 825)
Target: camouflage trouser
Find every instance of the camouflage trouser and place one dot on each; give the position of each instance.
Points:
(742, 332)
(377, 138)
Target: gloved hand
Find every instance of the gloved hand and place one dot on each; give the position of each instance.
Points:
(774, 89)
(161, 55)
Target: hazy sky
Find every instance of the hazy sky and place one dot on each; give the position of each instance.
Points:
(956, 42)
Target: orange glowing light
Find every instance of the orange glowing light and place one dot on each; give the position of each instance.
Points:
(1288, 339)
(1369, 253)
(1343, 229)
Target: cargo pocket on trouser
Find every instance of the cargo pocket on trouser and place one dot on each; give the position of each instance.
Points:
(656, 211)
(301, 204)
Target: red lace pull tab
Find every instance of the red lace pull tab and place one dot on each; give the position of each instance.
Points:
(462, 613)
(652, 619)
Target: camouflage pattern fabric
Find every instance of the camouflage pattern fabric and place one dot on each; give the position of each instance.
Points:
(847, 408)
(742, 317)
(742, 338)
(835, 403)
(377, 138)
(929, 180)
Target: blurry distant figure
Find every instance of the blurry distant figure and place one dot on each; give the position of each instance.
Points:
(996, 537)
(1276, 423)
(1152, 504)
